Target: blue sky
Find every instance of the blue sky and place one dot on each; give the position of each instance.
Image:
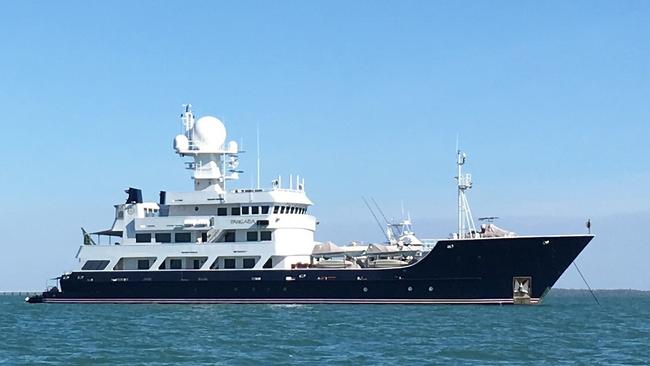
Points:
(360, 98)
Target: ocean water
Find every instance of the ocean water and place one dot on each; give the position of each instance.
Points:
(568, 328)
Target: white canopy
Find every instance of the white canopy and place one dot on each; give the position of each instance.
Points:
(327, 248)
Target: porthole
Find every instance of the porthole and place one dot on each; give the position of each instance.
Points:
(196, 208)
(430, 288)
(365, 289)
(410, 288)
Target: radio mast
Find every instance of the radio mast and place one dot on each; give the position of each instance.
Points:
(466, 228)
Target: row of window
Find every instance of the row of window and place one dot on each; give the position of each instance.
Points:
(229, 236)
(263, 210)
(173, 263)
(165, 237)
(289, 210)
(258, 236)
(150, 212)
(185, 237)
(231, 263)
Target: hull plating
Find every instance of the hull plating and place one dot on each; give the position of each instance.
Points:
(470, 271)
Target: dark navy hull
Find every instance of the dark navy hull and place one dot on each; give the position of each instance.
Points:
(455, 271)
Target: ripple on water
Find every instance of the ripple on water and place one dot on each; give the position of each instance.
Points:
(566, 329)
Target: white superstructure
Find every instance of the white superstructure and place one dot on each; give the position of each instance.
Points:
(210, 227)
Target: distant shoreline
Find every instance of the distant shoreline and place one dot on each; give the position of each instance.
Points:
(601, 290)
(19, 293)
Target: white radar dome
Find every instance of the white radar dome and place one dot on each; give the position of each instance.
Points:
(209, 133)
(181, 143)
(232, 147)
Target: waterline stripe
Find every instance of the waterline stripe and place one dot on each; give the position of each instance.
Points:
(283, 301)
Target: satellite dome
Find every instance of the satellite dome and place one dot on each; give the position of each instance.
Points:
(181, 143)
(209, 133)
(232, 147)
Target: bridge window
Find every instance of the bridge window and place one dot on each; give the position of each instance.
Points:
(265, 235)
(255, 210)
(163, 237)
(183, 237)
(143, 238)
(235, 211)
(265, 210)
(244, 210)
(275, 209)
(222, 211)
(251, 236)
(95, 265)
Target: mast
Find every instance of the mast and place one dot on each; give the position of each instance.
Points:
(215, 161)
(466, 226)
(258, 156)
(459, 163)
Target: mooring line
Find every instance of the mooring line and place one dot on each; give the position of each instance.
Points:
(585, 281)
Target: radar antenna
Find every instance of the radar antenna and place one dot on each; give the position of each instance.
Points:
(488, 219)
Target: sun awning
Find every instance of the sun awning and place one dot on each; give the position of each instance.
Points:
(108, 232)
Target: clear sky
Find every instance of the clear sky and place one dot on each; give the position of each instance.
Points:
(551, 102)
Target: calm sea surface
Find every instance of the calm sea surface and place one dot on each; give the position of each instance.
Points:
(569, 328)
